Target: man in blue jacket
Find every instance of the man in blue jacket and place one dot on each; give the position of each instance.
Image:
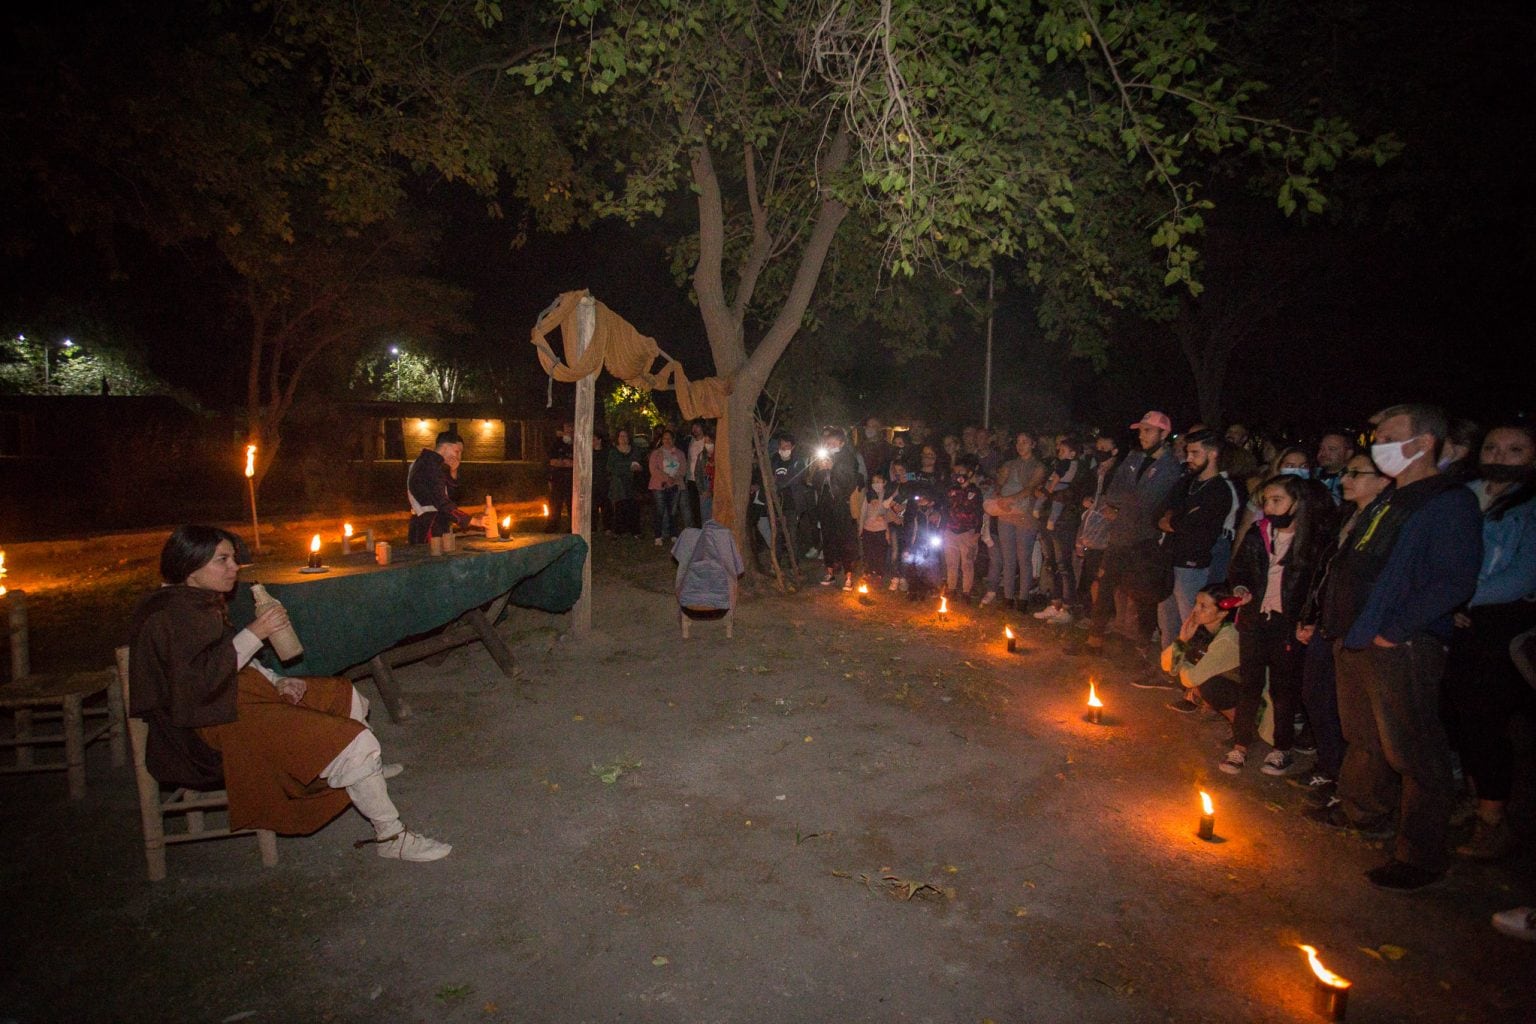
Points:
(1401, 574)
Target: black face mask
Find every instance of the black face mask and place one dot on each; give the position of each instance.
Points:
(1282, 521)
(1501, 473)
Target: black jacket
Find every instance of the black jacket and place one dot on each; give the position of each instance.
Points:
(1250, 568)
(1200, 509)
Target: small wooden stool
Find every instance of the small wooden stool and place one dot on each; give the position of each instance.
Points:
(687, 615)
(61, 697)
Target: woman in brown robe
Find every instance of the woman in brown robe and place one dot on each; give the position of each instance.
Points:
(291, 753)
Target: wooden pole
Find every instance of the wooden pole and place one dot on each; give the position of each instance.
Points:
(21, 656)
(581, 479)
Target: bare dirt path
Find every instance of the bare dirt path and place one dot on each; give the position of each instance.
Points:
(848, 813)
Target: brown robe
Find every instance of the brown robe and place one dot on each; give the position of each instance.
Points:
(211, 726)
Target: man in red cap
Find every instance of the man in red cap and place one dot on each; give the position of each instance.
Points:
(1134, 574)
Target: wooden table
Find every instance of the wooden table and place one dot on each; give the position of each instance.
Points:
(362, 619)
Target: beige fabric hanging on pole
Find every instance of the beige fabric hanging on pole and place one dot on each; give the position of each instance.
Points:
(627, 354)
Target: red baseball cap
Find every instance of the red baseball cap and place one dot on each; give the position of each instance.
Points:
(1155, 419)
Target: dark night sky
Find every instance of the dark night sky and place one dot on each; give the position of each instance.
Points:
(1429, 305)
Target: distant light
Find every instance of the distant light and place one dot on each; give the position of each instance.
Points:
(68, 343)
(421, 423)
(394, 350)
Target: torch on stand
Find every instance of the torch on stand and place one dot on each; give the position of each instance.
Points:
(250, 486)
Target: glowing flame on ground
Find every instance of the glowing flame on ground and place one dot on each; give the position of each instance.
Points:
(314, 543)
(1008, 632)
(506, 522)
(943, 606)
(2, 573)
(250, 460)
(1324, 975)
(1093, 697)
(863, 588)
(546, 510)
(346, 530)
(1205, 804)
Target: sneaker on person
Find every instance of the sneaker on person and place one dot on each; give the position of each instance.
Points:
(895, 583)
(1517, 923)
(1059, 617)
(828, 579)
(1312, 781)
(1400, 876)
(903, 584)
(813, 553)
(1045, 613)
(1489, 841)
(848, 581)
(1184, 706)
(1234, 761)
(413, 846)
(1157, 680)
(1323, 795)
(1333, 815)
(1277, 762)
(988, 598)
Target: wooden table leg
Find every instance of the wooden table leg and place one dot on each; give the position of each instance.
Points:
(117, 722)
(384, 679)
(74, 745)
(493, 643)
(23, 732)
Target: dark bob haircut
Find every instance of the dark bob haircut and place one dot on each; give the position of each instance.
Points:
(191, 547)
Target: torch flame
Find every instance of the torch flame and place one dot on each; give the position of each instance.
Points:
(506, 523)
(2, 573)
(546, 510)
(863, 588)
(346, 530)
(943, 606)
(1093, 697)
(1205, 804)
(314, 543)
(250, 460)
(1324, 975)
(1008, 632)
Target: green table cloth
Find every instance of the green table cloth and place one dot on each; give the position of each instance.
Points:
(359, 609)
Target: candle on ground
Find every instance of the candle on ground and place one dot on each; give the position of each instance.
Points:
(1207, 817)
(1095, 706)
(943, 609)
(1012, 638)
(1330, 993)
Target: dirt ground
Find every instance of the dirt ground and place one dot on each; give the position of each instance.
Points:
(849, 812)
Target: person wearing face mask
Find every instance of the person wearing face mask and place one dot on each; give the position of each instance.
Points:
(789, 481)
(1484, 687)
(1269, 574)
(1361, 484)
(562, 459)
(1334, 450)
(1406, 569)
(962, 529)
(834, 478)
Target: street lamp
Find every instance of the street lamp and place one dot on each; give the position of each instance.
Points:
(394, 351)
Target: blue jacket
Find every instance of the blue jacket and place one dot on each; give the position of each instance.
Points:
(1509, 556)
(1431, 571)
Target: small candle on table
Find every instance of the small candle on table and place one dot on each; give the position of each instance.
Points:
(314, 552)
(506, 525)
(1095, 706)
(1207, 817)
(346, 538)
(1330, 993)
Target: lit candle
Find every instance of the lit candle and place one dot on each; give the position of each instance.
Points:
(546, 510)
(943, 609)
(314, 552)
(1095, 706)
(1330, 993)
(346, 538)
(2, 573)
(1207, 817)
(863, 587)
(1013, 640)
(506, 525)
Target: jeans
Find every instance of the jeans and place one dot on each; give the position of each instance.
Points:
(666, 499)
(1396, 755)
(1221, 558)
(1175, 608)
(1319, 695)
(1017, 541)
(1057, 547)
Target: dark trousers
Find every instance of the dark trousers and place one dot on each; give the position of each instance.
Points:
(875, 551)
(1319, 695)
(559, 503)
(1268, 648)
(1093, 561)
(1484, 691)
(1056, 545)
(1130, 572)
(626, 516)
(1396, 755)
(839, 546)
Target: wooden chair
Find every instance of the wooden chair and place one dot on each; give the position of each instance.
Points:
(57, 697)
(188, 805)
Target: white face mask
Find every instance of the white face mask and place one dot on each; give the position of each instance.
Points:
(785, 453)
(1390, 459)
(1301, 471)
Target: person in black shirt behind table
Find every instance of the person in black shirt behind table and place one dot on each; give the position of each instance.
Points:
(432, 487)
(562, 460)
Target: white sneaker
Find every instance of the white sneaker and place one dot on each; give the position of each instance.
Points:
(903, 584)
(389, 771)
(657, 542)
(413, 846)
(895, 582)
(989, 597)
(813, 553)
(1059, 617)
(848, 581)
(1046, 614)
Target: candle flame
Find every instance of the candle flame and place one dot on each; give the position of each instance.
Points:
(1324, 975)
(314, 543)
(1205, 804)
(1008, 632)
(2, 573)
(506, 522)
(546, 510)
(346, 529)
(943, 606)
(250, 460)
(863, 588)
(1093, 697)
